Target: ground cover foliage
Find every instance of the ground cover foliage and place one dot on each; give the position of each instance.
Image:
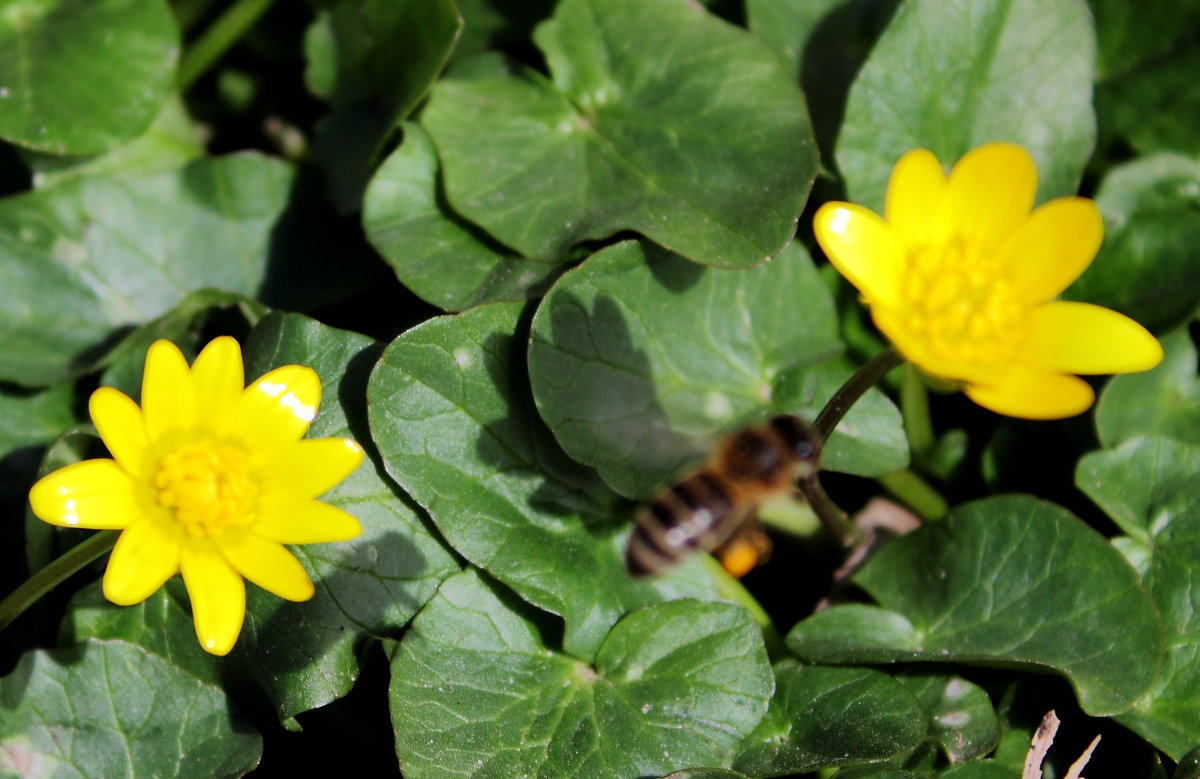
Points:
(543, 255)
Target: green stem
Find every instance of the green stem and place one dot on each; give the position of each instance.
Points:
(914, 405)
(54, 574)
(848, 394)
(831, 515)
(916, 493)
(218, 39)
(730, 588)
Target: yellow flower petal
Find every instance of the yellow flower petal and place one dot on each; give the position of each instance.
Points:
(146, 555)
(119, 421)
(1082, 338)
(93, 494)
(1031, 394)
(269, 565)
(990, 193)
(863, 248)
(168, 402)
(218, 377)
(291, 521)
(914, 198)
(218, 597)
(276, 408)
(1052, 248)
(916, 349)
(308, 468)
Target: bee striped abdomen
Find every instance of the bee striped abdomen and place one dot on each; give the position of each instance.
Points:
(701, 512)
(696, 514)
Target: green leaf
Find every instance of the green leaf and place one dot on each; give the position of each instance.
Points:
(1163, 401)
(1189, 765)
(108, 708)
(640, 359)
(786, 26)
(441, 258)
(476, 690)
(497, 23)
(959, 713)
(1146, 267)
(81, 76)
(169, 143)
(96, 254)
(373, 60)
(950, 75)
(979, 769)
(1151, 108)
(34, 418)
(660, 119)
(823, 717)
(457, 432)
(1151, 488)
(1008, 580)
(1130, 35)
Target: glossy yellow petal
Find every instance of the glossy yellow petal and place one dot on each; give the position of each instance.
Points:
(917, 350)
(291, 521)
(990, 192)
(1032, 394)
(1083, 338)
(306, 469)
(863, 248)
(218, 378)
(1052, 248)
(146, 555)
(119, 421)
(93, 494)
(269, 565)
(168, 403)
(218, 597)
(914, 198)
(276, 408)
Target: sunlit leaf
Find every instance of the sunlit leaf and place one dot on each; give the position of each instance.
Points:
(457, 432)
(108, 708)
(949, 75)
(1006, 580)
(476, 690)
(1163, 401)
(658, 118)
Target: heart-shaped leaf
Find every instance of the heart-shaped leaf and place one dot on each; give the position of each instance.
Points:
(1151, 488)
(444, 260)
(475, 690)
(458, 434)
(959, 713)
(640, 360)
(659, 118)
(1008, 580)
(822, 716)
(108, 708)
(81, 76)
(949, 75)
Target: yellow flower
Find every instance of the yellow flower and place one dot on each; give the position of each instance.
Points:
(210, 478)
(961, 276)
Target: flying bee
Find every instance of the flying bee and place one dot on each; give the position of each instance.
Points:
(706, 509)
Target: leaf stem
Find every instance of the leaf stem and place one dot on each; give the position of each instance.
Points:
(914, 406)
(188, 12)
(848, 394)
(730, 588)
(218, 39)
(916, 493)
(54, 574)
(831, 515)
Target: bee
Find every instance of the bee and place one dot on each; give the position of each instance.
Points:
(708, 508)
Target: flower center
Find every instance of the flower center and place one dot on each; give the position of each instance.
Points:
(208, 488)
(960, 303)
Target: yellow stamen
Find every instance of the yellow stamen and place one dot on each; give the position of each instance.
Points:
(207, 488)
